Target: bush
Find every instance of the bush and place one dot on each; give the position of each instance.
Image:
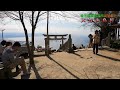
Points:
(115, 44)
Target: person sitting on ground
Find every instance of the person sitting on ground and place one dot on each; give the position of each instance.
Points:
(10, 60)
(3, 43)
(8, 45)
(2, 46)
(74, 47)
(82, 46)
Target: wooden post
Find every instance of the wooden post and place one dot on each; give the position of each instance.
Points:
(115, 33)
(62, 41)
(109, 39)
(47, 41)
(70, 44)
(45, 46)
(118, 33)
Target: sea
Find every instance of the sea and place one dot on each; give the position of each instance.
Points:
(77, 40)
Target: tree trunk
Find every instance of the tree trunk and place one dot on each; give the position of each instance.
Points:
(32, 48)
(28, 47)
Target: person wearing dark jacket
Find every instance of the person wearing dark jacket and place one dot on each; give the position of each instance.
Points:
(74, 47)
(96, 41)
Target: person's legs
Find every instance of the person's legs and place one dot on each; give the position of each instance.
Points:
(94, 48)
(20, 61)
(22, 64)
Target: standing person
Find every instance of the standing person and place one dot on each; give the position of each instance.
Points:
(10, 60)
(90, 40)
(96, 40)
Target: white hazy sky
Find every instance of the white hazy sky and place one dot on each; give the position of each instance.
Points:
(57, 25)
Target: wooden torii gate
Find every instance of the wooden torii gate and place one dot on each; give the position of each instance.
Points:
(53, 37)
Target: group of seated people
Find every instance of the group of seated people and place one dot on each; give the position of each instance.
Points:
(74, 47)
(10, 59)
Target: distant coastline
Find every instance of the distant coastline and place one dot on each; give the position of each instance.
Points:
(39, 39)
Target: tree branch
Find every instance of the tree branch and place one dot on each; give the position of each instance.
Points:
(21, 19)
(33, 19)
(42, 13)
(38, 15)
(97, 24)
(12, 15)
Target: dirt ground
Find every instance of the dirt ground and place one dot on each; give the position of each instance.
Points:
(83, 64)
